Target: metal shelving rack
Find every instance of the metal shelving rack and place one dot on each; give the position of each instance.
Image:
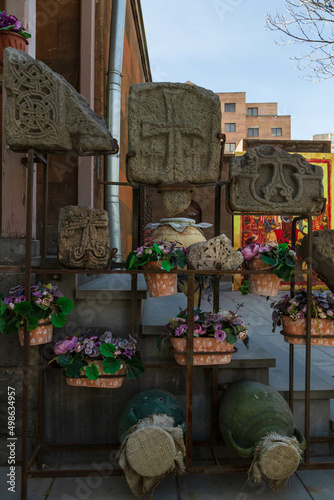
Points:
(220, 465)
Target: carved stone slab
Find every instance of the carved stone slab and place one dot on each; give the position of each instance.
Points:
(83, 238)
(43, 111)
(217, 253)
(173, 131)
(268, 179)
(323, 255)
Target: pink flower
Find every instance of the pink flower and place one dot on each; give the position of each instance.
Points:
(220, 335)
(198, 330)
(243, 335)
(148, 251)
(66, 345)
(140, 250)
(167, 250)
(196, 318)
(264, 248)
(330, 313)
(250, 251)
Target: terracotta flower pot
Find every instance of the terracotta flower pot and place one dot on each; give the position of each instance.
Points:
(262, 284)
(203, 346)
(319, 327)
(11, 39)
(160, 285)
(41, 335)
(108, 382)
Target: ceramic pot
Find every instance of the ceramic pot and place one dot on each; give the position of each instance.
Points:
(160, 285)
(41, 335)
(262, 284)
(203, 346)
(319, 327)
(187, 237)
(108, 382)
(11, 39)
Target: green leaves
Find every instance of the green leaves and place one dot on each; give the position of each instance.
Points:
(64, 359)
(166, 265)
(23, 308)
(111, 365)
(32, 323)
(58, 320)
(244, 288)
(134, 368)
(92, 372)
(65, 305)
(107, 350)
(74, 368)
(3, 307)
(230, 337)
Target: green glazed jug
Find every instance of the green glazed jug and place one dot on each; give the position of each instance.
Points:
(250, 410)
(149, 402)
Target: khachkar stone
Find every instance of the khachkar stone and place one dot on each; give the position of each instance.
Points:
(83, 238)
(268, 179)
(43, 111)
(322, 255)
(216, 253)
(173, 141)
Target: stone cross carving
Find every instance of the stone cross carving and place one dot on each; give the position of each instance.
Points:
(173, 131)
(217, 253)
(268, 179)
(83, 238)
(43, 111)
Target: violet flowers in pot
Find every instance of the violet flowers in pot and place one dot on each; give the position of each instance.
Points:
(47, 308)
(160, 255)
(12, 34)
(98, 360)
(278, 258)
(214, 336)
(291, 312)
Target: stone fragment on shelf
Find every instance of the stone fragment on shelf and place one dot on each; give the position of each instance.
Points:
(173, 139)
(43, 111)
(83, 238)
(217, 253)
(323, 255)
(268, 179)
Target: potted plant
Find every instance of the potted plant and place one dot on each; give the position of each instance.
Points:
(214, 336)
(12, 34)
(279, 258)
(46, 308)
(98, 361)
(160, 255)
(291, 313)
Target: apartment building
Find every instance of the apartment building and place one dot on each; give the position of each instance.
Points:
(325, 137)
(260, 120)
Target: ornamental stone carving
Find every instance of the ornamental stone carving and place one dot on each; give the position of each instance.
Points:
(268, 179)
(173, 140)
(83, 238)
(217, 253)
(43, 111)
(322, 255)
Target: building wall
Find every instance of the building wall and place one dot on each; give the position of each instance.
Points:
(325, 137)
(58, 45)
(265, 120)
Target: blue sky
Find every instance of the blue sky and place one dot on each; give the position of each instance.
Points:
(223, 45)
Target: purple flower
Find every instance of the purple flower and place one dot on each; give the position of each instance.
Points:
(264, 248)
(167, 250)
(330, 313)
(299, 315)
(66, 345)
(8, 300)
(216, 317)
(78, 347)
(250, 251)
(181, 330)
(140, 250)
(128, 353)
(220, 335)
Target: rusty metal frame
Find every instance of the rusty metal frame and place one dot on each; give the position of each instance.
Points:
(220, 465)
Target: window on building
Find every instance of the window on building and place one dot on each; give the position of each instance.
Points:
(253, 132)
(230, 127)
(252, 111)
(230, 147)
(277, 132)
(229, 107)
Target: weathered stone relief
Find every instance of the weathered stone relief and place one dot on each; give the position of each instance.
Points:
(268, 179)
(322, 255)
(43, 111)
(217, 253)
(173, 131)
(83, 238)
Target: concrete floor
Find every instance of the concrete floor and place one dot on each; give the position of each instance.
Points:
(317, 485)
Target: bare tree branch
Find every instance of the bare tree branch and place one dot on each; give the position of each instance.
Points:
(309, 22)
